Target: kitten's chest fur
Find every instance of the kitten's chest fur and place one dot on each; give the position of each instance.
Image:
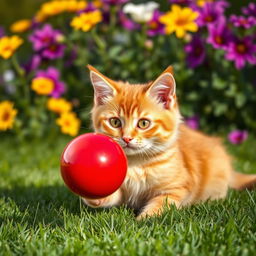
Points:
(136, 186)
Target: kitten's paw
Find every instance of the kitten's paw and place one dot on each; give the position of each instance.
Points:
(142, 216)
(94, 203)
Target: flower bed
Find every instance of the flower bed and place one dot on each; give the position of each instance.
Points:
(45, 86)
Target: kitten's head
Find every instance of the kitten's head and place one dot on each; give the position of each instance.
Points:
(142, 118)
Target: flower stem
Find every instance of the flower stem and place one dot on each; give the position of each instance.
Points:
(17, 66)
(113, 14)
(21, 72)
(100, 43)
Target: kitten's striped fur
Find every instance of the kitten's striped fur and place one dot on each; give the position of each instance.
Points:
(168, 162)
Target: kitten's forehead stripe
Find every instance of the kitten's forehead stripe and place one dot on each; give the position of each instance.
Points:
(130, 99)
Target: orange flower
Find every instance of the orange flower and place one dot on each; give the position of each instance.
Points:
(21, 26)
(59, 105)
(8, 45)
(7, 115)
(69, 123)
(42, 85)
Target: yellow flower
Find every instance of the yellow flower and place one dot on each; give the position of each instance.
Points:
(56, 7)
(8, 45)
(53, 8)
(7, 115)
(74, 6)
(69, 123)
(42, 85)
(179, 20)
(21, 26)
(97, 3)
(59, 105)
(40, 16)
(86, 21)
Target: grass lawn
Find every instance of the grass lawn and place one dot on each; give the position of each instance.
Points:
(39, 216)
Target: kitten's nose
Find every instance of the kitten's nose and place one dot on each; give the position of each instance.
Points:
(127, 139)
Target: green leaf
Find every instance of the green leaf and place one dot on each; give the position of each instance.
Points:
(114, 51)
(240, 100)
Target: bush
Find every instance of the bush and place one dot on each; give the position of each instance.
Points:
(45, 84)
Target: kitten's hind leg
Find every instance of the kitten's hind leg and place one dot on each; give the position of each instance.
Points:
(114, 199)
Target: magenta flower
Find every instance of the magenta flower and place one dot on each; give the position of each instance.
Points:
(46, 42)
(53, 73)
(33, 63)
(53, 51)
(241, 21)
(192, 122)
(90, 7)
(241, 51)
(126, 22)
(250, 10)
(219, 35)
(181, 2)
(210, 13)
(114, 2)
(195, 52)
(154, 25)
(237, 136)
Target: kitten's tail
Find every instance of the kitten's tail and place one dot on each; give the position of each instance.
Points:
(242, 181)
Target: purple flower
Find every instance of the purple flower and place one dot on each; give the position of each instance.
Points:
(241, 51)
(114, 2)
(154, 25)
(53, 51)
(219, 35)
(210, 13)
(250, 10)
(192, 122)
(126, 22)
(195, 52)
(90, 7)
(181, 2)
(237, 136)
(53, 74)
(33, 63)
(241, 21)
(46, 42)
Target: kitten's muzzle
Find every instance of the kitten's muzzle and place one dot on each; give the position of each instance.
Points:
(127, 140)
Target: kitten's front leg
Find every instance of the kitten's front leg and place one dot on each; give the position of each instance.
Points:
(155, 205)
(114, 199)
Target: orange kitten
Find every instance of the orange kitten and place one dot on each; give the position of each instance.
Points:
(168, 162)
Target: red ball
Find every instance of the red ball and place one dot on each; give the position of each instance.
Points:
(93, 165)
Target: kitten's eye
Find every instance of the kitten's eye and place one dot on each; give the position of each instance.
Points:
(115, 122)
(143, 123)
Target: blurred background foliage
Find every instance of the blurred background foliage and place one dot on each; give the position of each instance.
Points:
(11, 10)
(220, 96)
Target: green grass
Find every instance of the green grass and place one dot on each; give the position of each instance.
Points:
(39, 216)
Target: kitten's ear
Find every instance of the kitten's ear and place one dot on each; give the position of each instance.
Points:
(104, 88)
(163, 88)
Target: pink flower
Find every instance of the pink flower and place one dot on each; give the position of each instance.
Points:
(155, 27)
(46, 42)
(241, 51)
(219, 35)
(210, 13)
(192, 122)
(237, 136)
(241, 21)
(195, 52)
